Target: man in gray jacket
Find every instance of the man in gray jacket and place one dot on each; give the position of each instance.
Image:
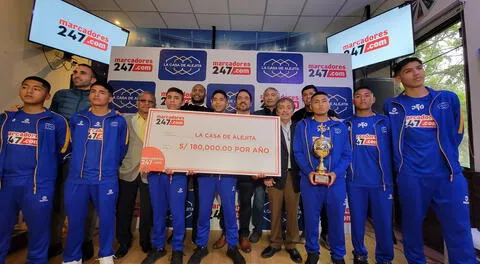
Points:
(131, 180)
(66, 102)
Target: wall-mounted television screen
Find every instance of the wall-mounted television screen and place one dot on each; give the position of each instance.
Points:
(62, 26)
(383, 37)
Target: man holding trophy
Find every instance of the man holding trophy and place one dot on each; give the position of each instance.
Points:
(323, 153)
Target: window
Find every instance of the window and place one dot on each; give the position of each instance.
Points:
(442, 54)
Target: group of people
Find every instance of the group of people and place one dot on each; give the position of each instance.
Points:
(96, 153)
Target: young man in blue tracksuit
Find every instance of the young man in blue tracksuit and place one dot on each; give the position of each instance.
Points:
(427, 128)
(33, 141)
(369, 178)
(225, 186)
(315, 196)
(168, 190)
(99, 143)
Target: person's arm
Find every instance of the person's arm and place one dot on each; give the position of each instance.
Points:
(458, 118)
(62, 138)
(123, 130)
(299, 149)
(346, 156)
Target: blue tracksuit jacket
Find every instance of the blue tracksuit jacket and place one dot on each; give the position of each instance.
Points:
(114, 147)
(448, 196)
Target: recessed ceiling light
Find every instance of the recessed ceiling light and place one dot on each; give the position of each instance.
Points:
(117, 22)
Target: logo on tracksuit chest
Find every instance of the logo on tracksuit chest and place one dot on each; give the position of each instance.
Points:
(95, 133)
(22, 138)
(366, 140)
(420, 121)
(363, 124)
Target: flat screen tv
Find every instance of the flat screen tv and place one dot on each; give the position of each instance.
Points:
(381, 38)
(62, 26)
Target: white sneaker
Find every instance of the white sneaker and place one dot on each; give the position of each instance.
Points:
(73, 262)
(106, 260)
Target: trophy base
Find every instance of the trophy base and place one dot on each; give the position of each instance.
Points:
(321, 179)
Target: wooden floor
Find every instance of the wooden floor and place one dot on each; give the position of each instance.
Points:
(135, 254)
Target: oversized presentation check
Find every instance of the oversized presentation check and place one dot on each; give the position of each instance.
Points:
(217, 143)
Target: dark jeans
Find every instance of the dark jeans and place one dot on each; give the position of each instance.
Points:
(258, 206)
(245, 189)
(125, 206)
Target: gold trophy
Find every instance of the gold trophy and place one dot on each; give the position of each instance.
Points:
(322, 147)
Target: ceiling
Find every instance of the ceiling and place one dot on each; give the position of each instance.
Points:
(327, 16)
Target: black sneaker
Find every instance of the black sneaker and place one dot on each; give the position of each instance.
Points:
(312, 258)
(87, 250)
(153, 255)
(177, 257)
(198, 255)
(121, 251)
(255, 236)
(235, 255)
(357, 259)
(338, 261)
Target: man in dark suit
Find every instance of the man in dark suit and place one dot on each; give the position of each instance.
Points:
(284, 191)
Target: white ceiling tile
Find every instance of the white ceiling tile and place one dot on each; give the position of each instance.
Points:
(246, 23)
(322, 7)
(113, 16)
(250, 7)
(341, 23)
(206, 21)
(146, 19)
(176, 20)
(210, 6)
(355, 7)
(312, 24)
(99, 5)
(284, 7)
(177, 6)
(279, 23)
(137, 5)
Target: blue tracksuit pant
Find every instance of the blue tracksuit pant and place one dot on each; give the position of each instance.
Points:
(37, 213)
(450, 202)
(77, 198)
(380, 203)
(314, 199)
(225, 186)
(168, 192)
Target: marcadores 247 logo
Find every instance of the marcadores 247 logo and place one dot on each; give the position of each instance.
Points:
(327, 71)
(169, 120)
(182, 65)
(279, 68)
(133, 65)
(83, 35)
(231, 68)
(369, 43)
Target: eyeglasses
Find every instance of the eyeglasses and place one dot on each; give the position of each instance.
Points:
(146, 101)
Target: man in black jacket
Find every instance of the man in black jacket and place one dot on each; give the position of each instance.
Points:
(66, 102)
